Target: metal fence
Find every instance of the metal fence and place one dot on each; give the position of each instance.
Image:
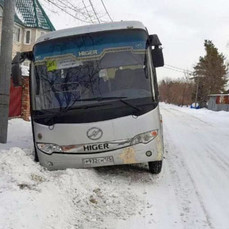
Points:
(15, 101)
(218, 102)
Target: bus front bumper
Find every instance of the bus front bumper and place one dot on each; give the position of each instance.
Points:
(140, 153)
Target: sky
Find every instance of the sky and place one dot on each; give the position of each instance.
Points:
(182, 26)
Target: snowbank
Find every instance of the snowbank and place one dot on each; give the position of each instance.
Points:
(32, 197)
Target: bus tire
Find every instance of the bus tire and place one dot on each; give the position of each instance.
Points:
(36, 159)
(155, 167)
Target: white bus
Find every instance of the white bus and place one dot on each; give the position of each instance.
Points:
(94, 96)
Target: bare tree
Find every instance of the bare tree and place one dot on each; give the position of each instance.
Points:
(178, 91)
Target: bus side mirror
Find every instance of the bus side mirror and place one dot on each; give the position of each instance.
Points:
(157, 56)
(154, 40)
(16, 70)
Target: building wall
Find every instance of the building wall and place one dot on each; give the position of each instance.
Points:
(21, 46)
(17, 45)
(28, 47)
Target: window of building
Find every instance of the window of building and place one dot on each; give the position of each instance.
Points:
(17, 34)
(1, 11)
(27, 37)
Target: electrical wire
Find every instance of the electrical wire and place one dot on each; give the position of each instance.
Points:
(71, 7)
(87, 16)
(77, 10)
(174, 69)
(94, 11)
(65, 11)
(87, 11)
(178, 69)
(106, 10)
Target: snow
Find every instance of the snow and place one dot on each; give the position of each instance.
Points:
(191, 191)
(19, 14)
(25, 70)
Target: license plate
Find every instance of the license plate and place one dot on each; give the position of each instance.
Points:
(90, 162)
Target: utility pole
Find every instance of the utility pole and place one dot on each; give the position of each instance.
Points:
(197, 91)
(5, 65)
(197, 88)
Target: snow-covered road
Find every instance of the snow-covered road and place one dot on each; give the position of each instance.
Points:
(191, 191)
(197, 157)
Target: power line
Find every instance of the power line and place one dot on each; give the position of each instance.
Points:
(174, 69)
(80, 9)
(62, 9)
(87, 11)
(89, 15)
(71, 7)
(86, 15)
(94, 11)
(106, 10)
(178, 69)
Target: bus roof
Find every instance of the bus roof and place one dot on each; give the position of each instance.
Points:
(92, 29)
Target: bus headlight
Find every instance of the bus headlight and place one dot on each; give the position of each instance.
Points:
(49, 148)
(144, 137)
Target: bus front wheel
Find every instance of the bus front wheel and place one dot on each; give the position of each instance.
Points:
(36, 159)
(155, 167)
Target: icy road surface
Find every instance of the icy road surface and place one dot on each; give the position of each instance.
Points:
(191, 191)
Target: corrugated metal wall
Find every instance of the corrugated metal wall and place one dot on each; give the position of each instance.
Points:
(15, 100)
(218, 103)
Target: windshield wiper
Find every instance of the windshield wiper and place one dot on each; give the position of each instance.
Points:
(130, 105)
(101, 98)
(119, 98)
(53, 114)
(97, 99)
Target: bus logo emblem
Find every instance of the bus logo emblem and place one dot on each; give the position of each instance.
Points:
(94, 133)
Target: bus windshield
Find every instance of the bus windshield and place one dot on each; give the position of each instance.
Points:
(77, 70)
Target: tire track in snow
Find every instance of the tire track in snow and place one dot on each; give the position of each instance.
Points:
(204, 150)
(182, 196)
(220, 160)
(187, 114)
(199, 198)
(184, 192)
